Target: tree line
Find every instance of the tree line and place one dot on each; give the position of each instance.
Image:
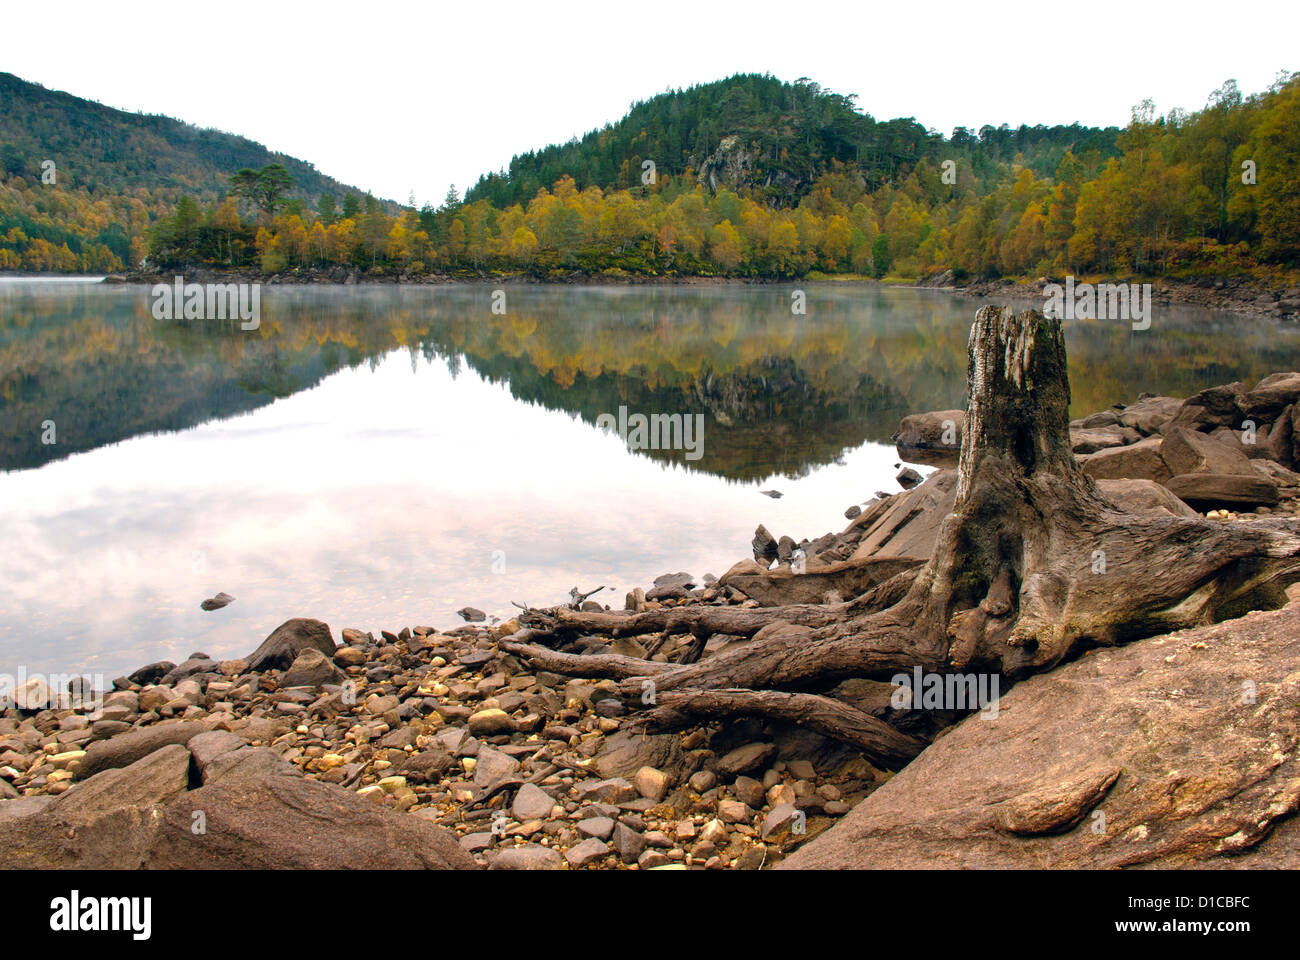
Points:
(1211, 191)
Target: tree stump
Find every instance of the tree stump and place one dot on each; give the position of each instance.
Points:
(1032, 567)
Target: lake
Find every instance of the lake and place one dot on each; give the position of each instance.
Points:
(380, 456)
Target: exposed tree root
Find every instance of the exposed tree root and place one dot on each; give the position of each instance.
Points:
(1032, 567)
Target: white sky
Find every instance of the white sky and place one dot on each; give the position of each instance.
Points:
(395, 97)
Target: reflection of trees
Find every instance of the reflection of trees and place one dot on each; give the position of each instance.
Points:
(780, 393)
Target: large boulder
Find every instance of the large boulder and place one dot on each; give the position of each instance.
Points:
(1144, 496)
(1212, 407)
(1092, 440)
(152, 672)
(188, 668)
(1173, 751)
(1207, 491)
(1149, 414)
(108, 822)
(931, 438)
(845, 579)
(626, 752)
(279, 650)
(298, 824)
(220, 753)
(126, 748)
(1137, 461)
(1187, 451)
(1271, 395)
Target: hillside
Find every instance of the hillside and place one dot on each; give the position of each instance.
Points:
(115, 174)
(760, 136)
(754, 178)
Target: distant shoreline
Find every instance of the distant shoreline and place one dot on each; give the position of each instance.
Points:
(1245, 296)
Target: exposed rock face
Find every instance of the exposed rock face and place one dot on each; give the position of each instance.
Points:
(907, 525)
(106, 823)
(1186, 743)
(281, 648)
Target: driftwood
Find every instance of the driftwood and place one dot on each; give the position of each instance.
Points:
(1032, 567)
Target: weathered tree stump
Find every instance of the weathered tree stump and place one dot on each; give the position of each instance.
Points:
(1033, 567)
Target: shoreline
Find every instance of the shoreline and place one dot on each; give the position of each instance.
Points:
(428, 732)
(1240, 295)
(1234, 294)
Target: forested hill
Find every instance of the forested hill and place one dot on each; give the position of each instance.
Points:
(753, 178)
(139, 165)
(105, 149)
(772, 140)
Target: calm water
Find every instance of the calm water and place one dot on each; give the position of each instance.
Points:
(380, 457)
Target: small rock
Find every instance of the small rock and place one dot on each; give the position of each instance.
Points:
(780, 823)
(217, 602)
(733, 811)
(471, 614)
(532, 803)
(752, 858)
(599, 827)
(530, 856)
(589, 851)
(714, 832)
(801, 770)
(350, 657)
(749, 790)
(310, 668)
(652, 784)
(746, 758)
(489, 723)
(628, 844)
(651, 859)
(703, 780)
(908, 478)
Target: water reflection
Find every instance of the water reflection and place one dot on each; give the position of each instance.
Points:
(363, 454)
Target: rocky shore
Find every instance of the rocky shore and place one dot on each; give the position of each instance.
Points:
(427, 747)
(351, 276)
(1245, 295)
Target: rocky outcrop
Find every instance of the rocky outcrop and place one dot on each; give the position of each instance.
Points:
(1175, 751)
